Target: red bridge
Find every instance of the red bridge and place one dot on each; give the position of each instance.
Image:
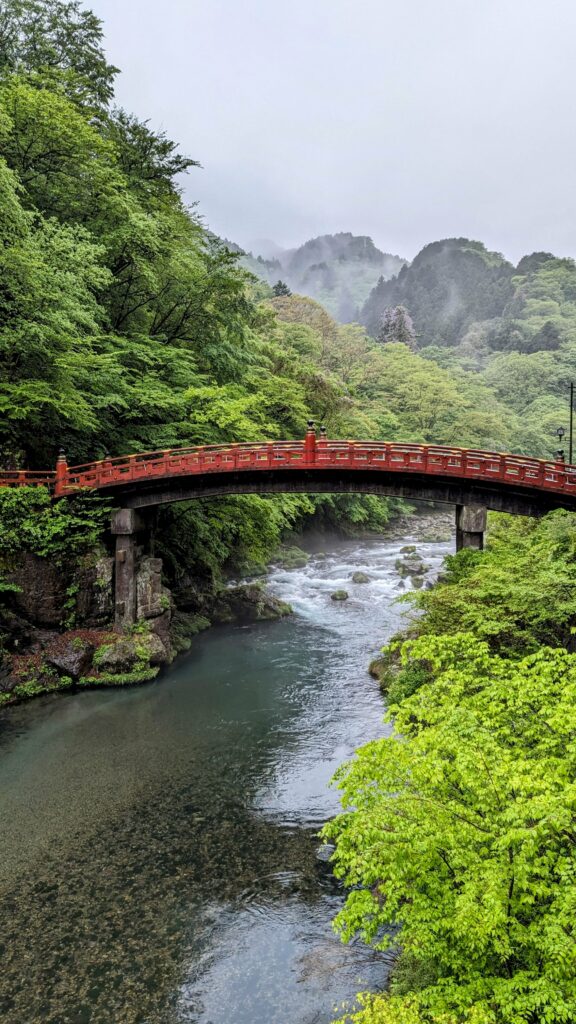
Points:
(471, 480)
(459, 476)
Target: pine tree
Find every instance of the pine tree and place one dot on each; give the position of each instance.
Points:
(281, 289)
(397, 327)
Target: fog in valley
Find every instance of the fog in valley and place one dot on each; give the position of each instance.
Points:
(406, 122)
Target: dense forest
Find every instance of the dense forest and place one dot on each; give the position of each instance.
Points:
(126, 324)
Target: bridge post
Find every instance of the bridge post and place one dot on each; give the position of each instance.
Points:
(61, 475)
(470, 527)
(125, 526)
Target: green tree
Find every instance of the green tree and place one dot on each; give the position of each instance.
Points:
(458, 840)
(281, 289)
(57, 39)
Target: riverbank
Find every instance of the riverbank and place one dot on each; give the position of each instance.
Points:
(46, 660)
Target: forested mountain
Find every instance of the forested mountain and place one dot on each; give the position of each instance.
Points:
(464, 297)
(337, 270)
(449, 285)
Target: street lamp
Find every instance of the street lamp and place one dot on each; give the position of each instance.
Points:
(560, 432)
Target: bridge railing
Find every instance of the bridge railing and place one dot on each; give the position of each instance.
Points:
(26, 478)
(312, 453)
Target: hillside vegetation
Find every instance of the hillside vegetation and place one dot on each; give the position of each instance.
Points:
(338, 270)
(126, 325)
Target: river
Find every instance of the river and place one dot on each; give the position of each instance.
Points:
(158, 848)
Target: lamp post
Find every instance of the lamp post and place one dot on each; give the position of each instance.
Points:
(571, 435)
(560, 431)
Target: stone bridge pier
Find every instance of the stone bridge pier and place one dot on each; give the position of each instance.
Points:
(470, 527)
(126, 524)
(138, 590)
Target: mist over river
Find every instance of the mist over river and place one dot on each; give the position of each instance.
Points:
(158, 848)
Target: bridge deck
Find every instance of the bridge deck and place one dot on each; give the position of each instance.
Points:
(311, 454)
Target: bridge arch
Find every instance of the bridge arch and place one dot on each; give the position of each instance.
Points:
(471, 480)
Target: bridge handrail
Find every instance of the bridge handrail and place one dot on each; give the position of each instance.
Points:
(26, 478)
(394, 456)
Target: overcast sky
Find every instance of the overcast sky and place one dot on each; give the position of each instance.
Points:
(407, 121)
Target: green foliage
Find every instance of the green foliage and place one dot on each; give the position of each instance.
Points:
(140, 675)
(518, 595)
(448, 286)
(30, 522)
(458, 838)
(60, 40)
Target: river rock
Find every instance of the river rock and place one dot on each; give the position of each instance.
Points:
(130, 653)
(71, 657)
(339, 595)
(157, 652)
(325, 852)
(408, 549)
(292, 558)
(250, 602)
(361, 577)
(116, 658)
(411, 565)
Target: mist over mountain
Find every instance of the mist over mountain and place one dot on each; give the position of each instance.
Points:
(337, 270)
(462, 296)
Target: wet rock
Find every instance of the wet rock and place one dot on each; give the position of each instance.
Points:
(157, 652)
(17, 633)
(408, 549)
(339, 595)
(361, 577)
(42, 590)
(71, 657)
(292, 558)
(250, 602)
(325, 852)
(411, 565)
(116, 658)
(95, 596)
(185, 626)
(150, 600)
(417, 582)
(131, 653)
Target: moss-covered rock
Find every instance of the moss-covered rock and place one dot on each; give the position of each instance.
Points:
(411, 565)
(144, 675)
(292, 557)
(361, 577)
(185, 626)
(250, 602)
(339, 595)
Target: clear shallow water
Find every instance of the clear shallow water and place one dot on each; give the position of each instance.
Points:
(157, 845)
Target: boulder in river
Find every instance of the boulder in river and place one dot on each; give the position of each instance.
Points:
(408, 549)
(411, 565)
(339, 595)
(361, 577)
(250, 602)
(292, 557)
